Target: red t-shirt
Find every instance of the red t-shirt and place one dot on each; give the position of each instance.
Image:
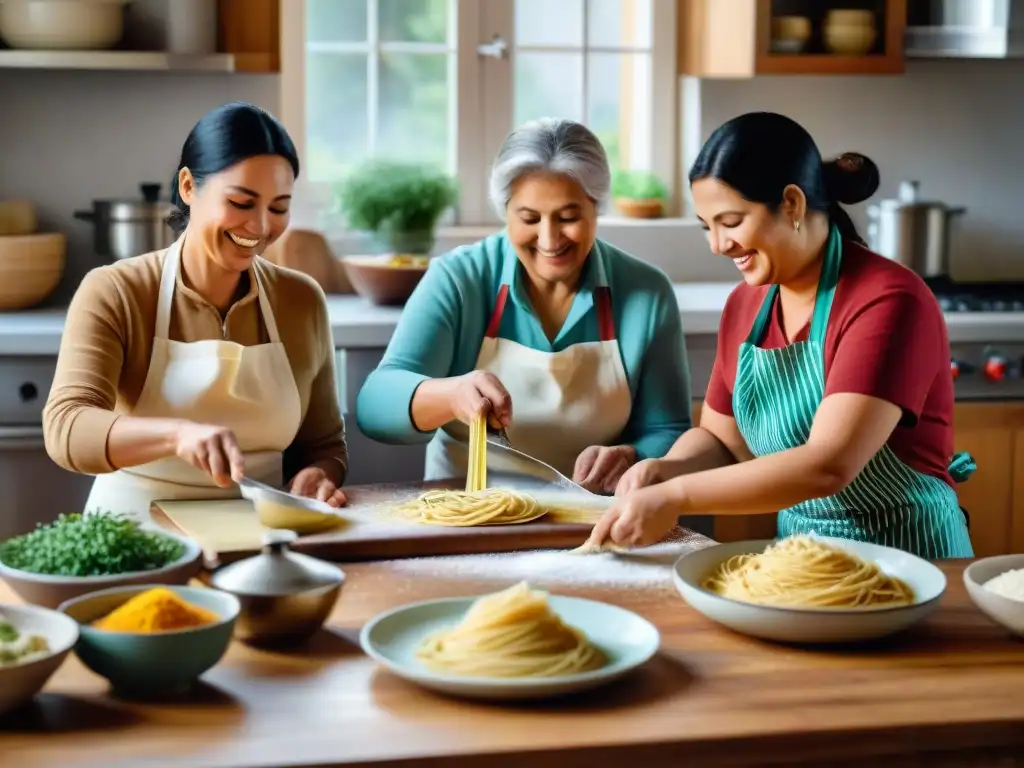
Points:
(886, 338)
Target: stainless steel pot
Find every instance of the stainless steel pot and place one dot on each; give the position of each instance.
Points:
(125, 228)
(286, 596)
(914, 232)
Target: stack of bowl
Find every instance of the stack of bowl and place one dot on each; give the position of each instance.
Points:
(849, 32)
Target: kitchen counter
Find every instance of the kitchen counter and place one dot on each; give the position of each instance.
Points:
(711, 697)
(357, 324)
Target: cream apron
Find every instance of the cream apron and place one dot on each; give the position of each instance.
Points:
(249, 390)
(562, 402)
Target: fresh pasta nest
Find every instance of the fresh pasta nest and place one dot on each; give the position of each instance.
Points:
(493, 506)
(512, 633)
(805, 572)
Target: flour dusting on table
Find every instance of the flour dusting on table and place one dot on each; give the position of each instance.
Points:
(648, 567)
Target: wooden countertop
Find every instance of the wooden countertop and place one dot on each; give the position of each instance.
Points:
(954, 685)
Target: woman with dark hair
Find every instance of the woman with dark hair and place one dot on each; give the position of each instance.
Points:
(831, 397)
(182, 370)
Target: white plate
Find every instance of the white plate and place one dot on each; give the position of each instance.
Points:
(392, 639)
(811, 625)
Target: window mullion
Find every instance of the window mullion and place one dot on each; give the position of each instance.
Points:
(665, 128)
(372, 76)
(495, 105)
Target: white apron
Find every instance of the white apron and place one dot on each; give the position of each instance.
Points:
(249, 390)
(562, 402)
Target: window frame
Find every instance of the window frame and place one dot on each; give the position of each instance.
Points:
(483, 110)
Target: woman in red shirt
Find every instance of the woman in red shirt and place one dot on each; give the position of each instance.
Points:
(831, 397)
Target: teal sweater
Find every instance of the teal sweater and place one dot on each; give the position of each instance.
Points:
(444, 321)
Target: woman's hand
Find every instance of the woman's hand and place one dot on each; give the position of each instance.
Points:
(638, 519)
(314, 483)
(641, 475)
(212, 449)
(480, 392)
(599, 467)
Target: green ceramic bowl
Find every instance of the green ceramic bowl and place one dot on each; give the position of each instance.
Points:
(151, 664)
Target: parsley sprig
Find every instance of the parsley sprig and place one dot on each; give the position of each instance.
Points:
(90, 545)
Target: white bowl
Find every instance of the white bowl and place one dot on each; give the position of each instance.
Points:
(62, 24)
(1002, 610)
(20, 682)
(50, 591)
(811, 625)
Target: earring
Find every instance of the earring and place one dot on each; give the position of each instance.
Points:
(796, 225)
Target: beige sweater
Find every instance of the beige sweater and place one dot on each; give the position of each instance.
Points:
(108, 339)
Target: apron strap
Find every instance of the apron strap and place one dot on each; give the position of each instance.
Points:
(168, 281)
(605, 319)
(268, 314)
(168, 278)
(494, 325)
(827, 282)
(824, 295)
(602, 300)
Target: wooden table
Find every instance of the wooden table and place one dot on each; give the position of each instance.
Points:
(953, 686)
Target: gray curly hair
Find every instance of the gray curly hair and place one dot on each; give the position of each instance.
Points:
(555, 145)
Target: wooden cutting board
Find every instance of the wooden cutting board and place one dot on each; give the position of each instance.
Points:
(230, 530)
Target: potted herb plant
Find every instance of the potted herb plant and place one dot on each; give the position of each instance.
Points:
(639, 194)
(398, 204)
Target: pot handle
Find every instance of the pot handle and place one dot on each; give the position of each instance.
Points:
(957, 211)
(85, 216)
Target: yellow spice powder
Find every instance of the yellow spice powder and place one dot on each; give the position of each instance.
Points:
(156, 610)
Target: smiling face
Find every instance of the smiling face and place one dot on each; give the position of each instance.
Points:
(238, 212)
(764, 246)
(552, 224)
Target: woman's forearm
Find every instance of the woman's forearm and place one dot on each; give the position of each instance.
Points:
(761, 486)
(431, 405)
(696, 450)
(137, 440)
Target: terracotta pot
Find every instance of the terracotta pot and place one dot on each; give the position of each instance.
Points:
(385, 279)
(653, 208)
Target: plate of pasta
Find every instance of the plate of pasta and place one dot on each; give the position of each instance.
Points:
(518, 643)
(810, 589)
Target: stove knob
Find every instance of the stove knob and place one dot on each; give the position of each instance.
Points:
(995, 368)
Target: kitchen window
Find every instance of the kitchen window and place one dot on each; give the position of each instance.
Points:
(443, 81)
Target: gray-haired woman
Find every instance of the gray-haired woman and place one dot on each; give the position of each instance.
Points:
(571, 345)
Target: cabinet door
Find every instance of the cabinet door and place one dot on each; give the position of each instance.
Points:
(987, 432)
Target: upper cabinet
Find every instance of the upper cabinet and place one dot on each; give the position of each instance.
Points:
(250, 30)
(743, 38)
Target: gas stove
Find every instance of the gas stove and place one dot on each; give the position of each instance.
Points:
(977, 297)
(984, 370)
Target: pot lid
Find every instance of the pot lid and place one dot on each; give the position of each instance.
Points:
(148, 206)
(277, 570)
(909, 196)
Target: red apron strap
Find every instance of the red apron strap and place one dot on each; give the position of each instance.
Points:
(499, 309)
(605, 319)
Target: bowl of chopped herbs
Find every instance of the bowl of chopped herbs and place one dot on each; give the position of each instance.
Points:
(77, 554)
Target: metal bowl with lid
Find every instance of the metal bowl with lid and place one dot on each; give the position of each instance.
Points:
(286, 596)
(126, 228)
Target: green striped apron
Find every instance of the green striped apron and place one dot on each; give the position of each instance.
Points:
(775, 397)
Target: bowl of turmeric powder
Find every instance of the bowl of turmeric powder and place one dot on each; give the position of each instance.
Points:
(154, 639)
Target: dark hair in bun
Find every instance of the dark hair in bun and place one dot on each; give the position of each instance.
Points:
(223, 137)
(759, 154)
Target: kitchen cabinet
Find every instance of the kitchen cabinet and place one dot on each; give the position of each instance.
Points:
(734, 38)
(250, 30)
(993, 433)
